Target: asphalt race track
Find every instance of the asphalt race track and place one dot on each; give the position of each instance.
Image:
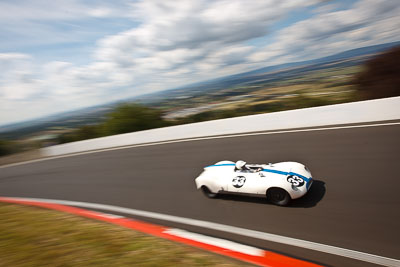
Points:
(353, 203)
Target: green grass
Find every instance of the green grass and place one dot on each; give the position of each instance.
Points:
(32, 236)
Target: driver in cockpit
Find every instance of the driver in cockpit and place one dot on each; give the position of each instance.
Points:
(241, 166)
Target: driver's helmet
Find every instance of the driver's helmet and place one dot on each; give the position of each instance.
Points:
(240, 164)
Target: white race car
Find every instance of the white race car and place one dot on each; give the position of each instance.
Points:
(279, 182)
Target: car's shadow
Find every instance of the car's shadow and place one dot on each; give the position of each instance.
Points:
(311, 199)
(315, 195)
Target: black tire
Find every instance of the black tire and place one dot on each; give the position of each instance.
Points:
(278, 196)
(207, 192)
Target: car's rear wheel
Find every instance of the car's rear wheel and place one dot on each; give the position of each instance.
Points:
(278, 196)
(207, 192)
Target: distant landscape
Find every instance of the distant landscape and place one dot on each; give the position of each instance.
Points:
(329, 80)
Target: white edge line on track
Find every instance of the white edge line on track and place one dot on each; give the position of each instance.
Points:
(199, 139)
(218, 242)
(362, 256)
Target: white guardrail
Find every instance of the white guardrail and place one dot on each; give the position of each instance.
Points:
(356, 112)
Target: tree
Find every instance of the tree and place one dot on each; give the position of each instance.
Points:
(132, 117)
(5, 148)
(381, 76)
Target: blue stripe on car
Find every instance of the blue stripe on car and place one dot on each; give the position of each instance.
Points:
(287, 173)
(275, 171)
(217, 165)
(268, 170)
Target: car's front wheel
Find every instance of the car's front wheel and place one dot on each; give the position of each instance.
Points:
(207, 192)
(278, 196)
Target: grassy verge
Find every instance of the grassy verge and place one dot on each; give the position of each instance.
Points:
(37, 237)
(20, 157)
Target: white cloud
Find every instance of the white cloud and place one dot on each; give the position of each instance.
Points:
(167, 44)
(367, 23)
(17, 81)
(205, 35)
(19, 10)
(28, 24)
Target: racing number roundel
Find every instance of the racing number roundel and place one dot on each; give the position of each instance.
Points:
(238, 181)
(295, 180)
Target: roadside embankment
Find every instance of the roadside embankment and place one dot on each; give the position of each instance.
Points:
(350, 113)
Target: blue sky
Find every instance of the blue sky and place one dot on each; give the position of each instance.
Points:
(62, 55)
